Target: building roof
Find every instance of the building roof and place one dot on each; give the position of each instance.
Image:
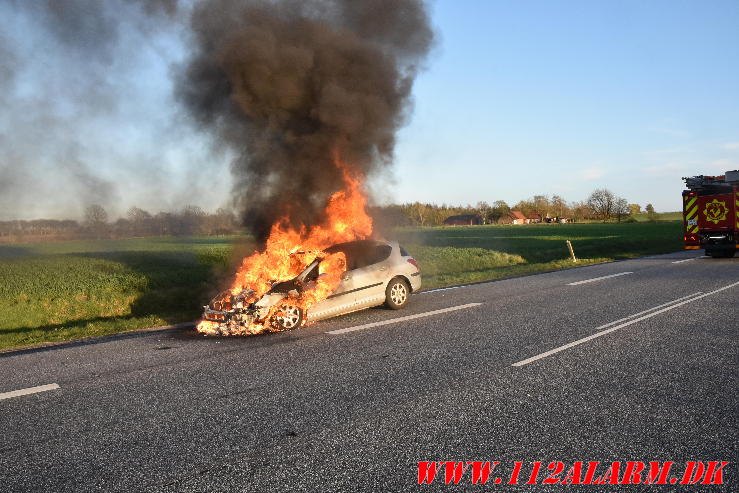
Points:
(516, 215)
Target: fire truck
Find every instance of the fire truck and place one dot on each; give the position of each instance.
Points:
(711, 214)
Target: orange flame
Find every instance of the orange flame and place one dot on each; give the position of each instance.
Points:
(289, 250)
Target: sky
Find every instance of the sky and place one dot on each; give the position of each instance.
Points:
(518, 98)
(562, 97)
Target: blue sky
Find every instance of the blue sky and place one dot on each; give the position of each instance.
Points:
(519, 98)
(545, 97)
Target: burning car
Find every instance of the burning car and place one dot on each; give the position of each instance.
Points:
(371, 273)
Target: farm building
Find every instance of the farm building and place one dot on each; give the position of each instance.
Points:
(513, 217)
(463, 220)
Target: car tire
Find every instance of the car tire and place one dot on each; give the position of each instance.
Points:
(397, 294)
(730, 254)
(287, 317)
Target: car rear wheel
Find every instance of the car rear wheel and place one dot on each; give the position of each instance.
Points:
(288, 317)
(397, 294)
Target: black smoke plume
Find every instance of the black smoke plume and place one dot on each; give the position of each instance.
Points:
(290, 85)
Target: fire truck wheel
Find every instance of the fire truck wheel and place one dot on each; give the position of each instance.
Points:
(288, 317)
(397, 294)
(721, 253)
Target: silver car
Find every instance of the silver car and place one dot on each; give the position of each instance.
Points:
(377, 272)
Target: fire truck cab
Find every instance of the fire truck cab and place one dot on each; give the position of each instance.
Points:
(711, 214)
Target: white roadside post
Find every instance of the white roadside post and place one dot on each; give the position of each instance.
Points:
(572, 252)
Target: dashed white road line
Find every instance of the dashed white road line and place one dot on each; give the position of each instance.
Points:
(687, 260)
(671, 305)
(598, 278)
(29, 390)
(438, 289)
(401, 319)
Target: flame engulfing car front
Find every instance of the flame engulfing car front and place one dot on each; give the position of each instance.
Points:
(239, 314)
(370, 273)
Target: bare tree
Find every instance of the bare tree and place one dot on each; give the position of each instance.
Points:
(621, 209)
(541, 204)
(559, 206)
(419, 212)
(140, 221)
(580, 210)
(602, 202)
(96, 219)
(191, 220)
(483, 209)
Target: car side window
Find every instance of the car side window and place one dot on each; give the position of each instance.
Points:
(373, 255)
(382, 252)
(349, 252)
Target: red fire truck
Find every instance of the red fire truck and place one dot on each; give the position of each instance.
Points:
(711, 214)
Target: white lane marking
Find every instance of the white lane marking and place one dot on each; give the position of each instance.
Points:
(402, 319)
(597, 278)
(439, 289)
(686, 260)
(648, 310)
(674, 304)
(29, 390)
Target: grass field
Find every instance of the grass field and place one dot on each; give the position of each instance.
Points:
(660, 216)
(67, 290)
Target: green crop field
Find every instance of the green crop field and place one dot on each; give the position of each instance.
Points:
(475, 253)
(67, 290)
(660, 216)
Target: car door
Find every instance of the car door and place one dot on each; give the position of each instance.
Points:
(342, 299)
(368, 280)
(362, 285)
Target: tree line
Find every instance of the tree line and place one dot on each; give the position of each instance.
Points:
(601, 205)
(191, 220)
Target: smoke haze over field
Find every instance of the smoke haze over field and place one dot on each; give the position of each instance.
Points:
(291, 85)
(84, 86)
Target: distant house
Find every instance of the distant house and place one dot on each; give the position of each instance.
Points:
(514, 217)
(463, 220)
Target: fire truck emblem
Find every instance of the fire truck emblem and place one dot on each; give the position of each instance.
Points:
(716, 211)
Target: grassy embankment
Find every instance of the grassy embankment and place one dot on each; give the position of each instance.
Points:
(66, 290)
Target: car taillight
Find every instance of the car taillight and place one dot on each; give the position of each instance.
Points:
(413, 262)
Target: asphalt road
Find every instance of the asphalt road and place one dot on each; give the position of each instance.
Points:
(312, 410)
